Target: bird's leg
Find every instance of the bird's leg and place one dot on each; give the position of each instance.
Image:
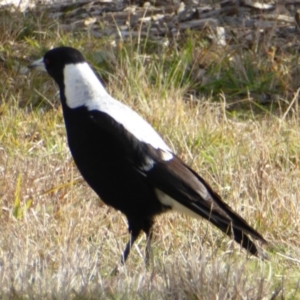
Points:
(133, 236)
(147, 228)
(149, 236)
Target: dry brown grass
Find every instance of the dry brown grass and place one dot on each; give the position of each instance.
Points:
(58, 241)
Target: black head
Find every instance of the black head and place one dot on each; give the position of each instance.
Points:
(55, 60)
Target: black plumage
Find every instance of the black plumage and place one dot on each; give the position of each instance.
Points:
(126, 162)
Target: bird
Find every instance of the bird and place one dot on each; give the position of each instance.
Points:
(127, 163)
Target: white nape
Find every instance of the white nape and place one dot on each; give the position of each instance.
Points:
(83, 88)
(82, 85)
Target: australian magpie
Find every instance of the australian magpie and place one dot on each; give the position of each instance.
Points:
(126, 162)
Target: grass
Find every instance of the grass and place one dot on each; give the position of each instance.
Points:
(58, 241)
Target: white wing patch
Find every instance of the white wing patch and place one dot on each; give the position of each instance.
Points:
(175, 205)
(83, 88)
(148, 164)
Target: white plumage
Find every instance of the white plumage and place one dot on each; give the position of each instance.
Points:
(83, 88)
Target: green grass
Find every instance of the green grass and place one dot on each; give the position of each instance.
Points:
(58, 241)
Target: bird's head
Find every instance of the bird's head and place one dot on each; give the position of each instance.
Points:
(55, 61)
(77, 82)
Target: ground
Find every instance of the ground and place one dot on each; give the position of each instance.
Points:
(230, 111)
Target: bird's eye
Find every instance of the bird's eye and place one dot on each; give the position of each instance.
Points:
(47, 61)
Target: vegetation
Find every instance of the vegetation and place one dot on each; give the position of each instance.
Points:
(59, 241)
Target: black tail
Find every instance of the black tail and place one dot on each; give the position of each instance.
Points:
(185, 186)
(239, 228)
(239, 236)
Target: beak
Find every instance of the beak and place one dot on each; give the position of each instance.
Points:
(38, 65)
